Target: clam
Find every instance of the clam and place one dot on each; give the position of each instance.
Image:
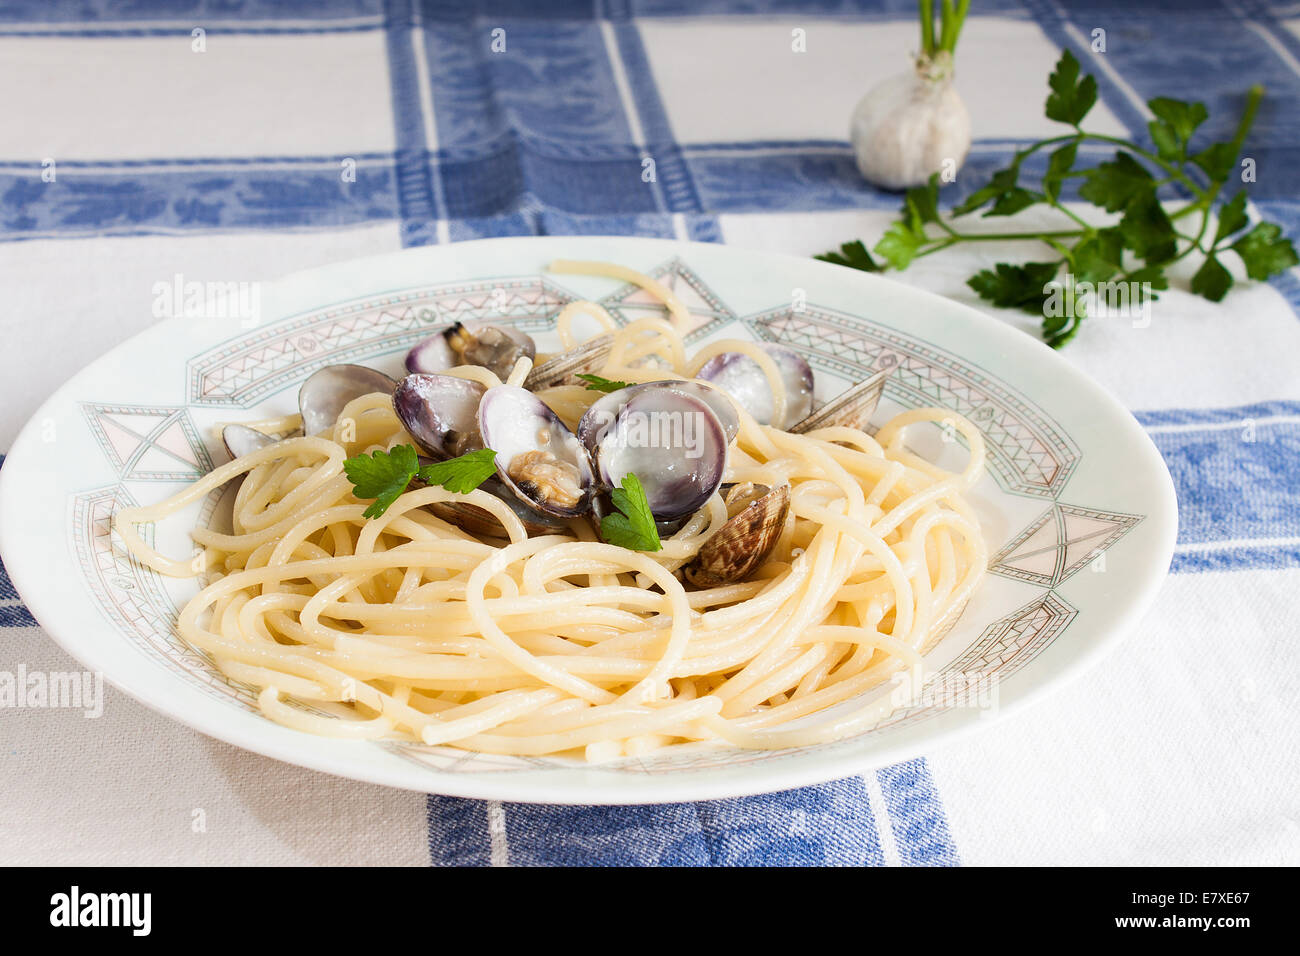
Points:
(240, 440)
(852, 408)
(495, 347)
(668, 436)
(741, 377)
(562, 368)
(480, 521)
(743, 543)
(537, 457)
(440, 412)
(324, 394)
(602, 413)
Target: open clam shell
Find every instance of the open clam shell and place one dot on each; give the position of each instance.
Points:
(440, 412)
(670, 439)
(741, 377)
(603, 412)
(742, 544)
(240, 440)
(324, 394)
(495, 347)
(562, 368)
(537, 457)
(852, 408)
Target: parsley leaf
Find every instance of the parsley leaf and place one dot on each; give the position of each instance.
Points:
(1004, 180)
(1071, 98)
(1098, 257)
(1020, 287)
(852, 254)
(1153, 276)
(1265, 252)
(386, 474)
(921, 203)
(461, 475)
(1127, 184)
(1115, 184)
(1173, 126)
(382, 476)
(1058, 165)
(1012, 201)
(597, 384)
(1147, 230)
(634, 528)
(900, 244)
(1212, 280)
(1232, 216)
(1217, 160)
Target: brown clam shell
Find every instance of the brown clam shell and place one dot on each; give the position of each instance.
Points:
(743, 543)
(852, 408)
(482, 522)
(561, 369)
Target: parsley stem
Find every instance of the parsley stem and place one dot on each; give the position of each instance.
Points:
(1004, 236)
(1253, 97)
(1087, 227)
(1177, 174)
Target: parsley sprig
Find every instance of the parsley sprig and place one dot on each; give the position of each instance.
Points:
(634, 526)
(385, 475)
(597, 384)
(1138, 249)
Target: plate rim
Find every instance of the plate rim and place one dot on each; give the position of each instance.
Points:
(668, 786)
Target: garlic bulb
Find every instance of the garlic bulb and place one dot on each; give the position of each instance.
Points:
(911, 126)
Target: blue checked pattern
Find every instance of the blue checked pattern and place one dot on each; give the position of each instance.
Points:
(546, 141)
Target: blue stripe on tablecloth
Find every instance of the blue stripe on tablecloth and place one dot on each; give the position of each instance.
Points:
(1051, 19)
(916, 815)
(252, 15)
(418, 194)
(7, 590)
(502, 176)
(675, 181)
(1238, 486)
(105, 202)
(524, 128)
(1157, 419)
(12, 611)
(458, 831)
(1261, 13)
(827, 824)
(110, 11)
(1155, 53)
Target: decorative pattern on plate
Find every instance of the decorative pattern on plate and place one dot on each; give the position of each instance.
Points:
(149, 443)
(1029, 456)
(1027, 452)
(132, 596)
(1006, 645)
(1059, 542)
(707, 309)
(248, 369)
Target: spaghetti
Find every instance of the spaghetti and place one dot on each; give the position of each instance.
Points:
(408, 627)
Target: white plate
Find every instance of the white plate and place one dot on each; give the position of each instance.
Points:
(1077, 505)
